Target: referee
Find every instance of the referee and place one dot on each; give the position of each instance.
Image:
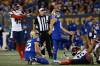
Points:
(42, 25)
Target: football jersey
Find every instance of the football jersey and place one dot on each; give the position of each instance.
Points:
(80, 54)
(56, 34)
(72, 27)
(16, 25)
(83, 30)
(30, 45)
(30, 49)
(89, 25)
(77, 40)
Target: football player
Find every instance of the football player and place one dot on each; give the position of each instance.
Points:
(32, 50)
(56, 29)
(16, 16)
(80, 57)
(77, 40)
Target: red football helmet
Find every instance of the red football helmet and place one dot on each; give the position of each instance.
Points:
(74, 50)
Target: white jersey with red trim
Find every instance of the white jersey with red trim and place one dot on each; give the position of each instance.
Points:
(16, 26)
(80, 54)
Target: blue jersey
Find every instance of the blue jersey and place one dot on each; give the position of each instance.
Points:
(77, 40)
(56, 34)
(83, 30)
(64, 35)
(89, 25)
(72, 27)
(30, 49)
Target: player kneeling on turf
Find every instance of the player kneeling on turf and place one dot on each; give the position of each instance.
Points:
(80, 57)
(32, 50)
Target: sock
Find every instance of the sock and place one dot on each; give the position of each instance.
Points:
(22, 51)
(18, 48)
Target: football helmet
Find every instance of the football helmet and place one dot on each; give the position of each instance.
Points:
(74, 50)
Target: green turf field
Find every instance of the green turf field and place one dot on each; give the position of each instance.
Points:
(8, 58)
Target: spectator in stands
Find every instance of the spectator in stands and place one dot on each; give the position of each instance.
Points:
(97, 27)
(43, 3)
(77, 40)
(66, 42)
(84, 33)
(1, 31)
(27, 24)
(72, 27)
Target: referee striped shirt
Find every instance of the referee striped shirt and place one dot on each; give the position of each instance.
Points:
(42, 23)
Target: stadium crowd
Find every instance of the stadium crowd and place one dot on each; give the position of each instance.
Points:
(67, 6)
(68, 32)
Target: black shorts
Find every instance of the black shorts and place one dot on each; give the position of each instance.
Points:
(18, 37)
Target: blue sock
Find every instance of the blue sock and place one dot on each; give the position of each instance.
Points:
(55, 49)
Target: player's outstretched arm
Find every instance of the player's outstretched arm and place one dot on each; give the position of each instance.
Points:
(69, 32)
(65, 62)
